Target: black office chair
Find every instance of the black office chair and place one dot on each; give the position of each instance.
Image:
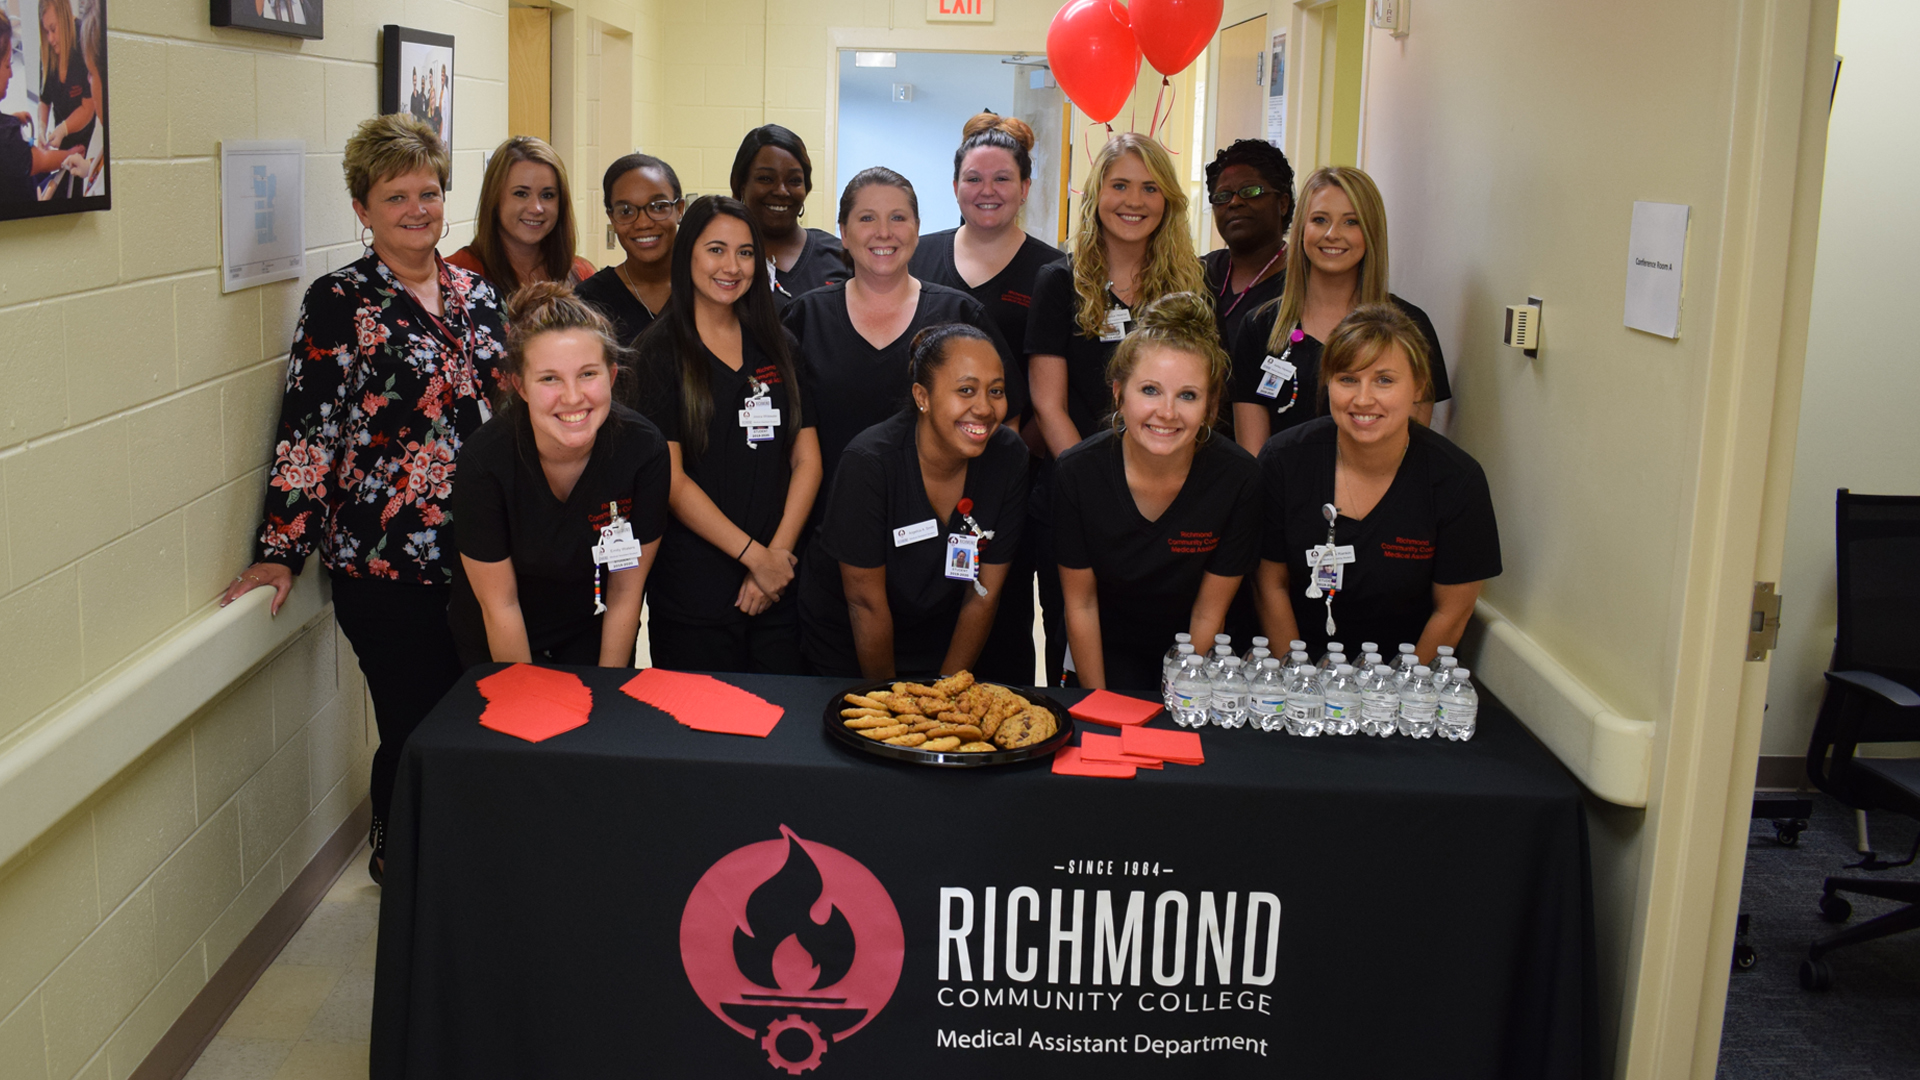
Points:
(1871, 697)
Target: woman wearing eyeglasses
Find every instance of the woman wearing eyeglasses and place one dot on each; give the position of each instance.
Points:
(1250, 187)
(644, 204)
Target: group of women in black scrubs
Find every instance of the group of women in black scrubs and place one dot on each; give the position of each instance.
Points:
(816, 462)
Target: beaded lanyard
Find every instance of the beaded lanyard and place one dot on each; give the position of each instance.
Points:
(1319, 556)
(1293, 339)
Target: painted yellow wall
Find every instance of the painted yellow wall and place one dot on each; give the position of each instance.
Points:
(136, 408)
(1510, 148)
(1856, 413)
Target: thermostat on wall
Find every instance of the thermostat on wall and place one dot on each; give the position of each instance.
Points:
(1523, 326)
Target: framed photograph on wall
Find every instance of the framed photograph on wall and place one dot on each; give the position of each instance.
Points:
(294, 18)
(416, 76)
(53, 109)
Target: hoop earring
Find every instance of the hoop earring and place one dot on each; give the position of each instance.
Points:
(366, 237)
(802, 212)
(445, 228)
(1205, 436)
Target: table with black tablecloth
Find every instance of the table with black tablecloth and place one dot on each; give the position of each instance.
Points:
(637, 898)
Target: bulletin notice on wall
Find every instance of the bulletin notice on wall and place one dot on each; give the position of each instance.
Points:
(262, 221)
(1656, 267)
(1277, 92)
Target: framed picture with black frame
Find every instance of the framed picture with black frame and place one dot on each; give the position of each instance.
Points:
(294, 18)
(54, 115)
(416, 76)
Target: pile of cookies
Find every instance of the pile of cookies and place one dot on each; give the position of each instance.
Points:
(954, 715)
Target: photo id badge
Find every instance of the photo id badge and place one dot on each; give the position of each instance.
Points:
(1329, 565)
(963, 557)
(759, 418)
(617, 549)
(1274, 374)
(1118, 319)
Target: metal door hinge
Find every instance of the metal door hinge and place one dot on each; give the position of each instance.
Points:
(1763, 624)
(1260, 68)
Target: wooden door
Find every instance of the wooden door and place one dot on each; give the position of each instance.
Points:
(530, 72)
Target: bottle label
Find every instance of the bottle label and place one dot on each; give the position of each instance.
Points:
(1182, 701)
(1268, 706)
(1302, 711)
(1336, 712)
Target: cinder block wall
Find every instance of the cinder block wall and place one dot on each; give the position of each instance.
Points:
(136, 409)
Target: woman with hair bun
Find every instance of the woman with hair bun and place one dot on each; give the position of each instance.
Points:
(718, 372)
(1155, 520)
(773, 175)
(924, 513)
(1413, 536)
(989, 254)
(523, 227)
(560, 499)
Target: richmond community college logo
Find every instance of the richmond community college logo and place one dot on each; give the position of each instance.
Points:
(794, 944)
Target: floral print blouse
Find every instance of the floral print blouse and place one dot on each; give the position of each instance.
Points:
(379, 395)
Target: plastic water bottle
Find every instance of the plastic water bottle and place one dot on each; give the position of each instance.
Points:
(1369, 647)
(1296, 645)
(1334, 660)
(1443, 669)
(1259, 646)
(1379, 702)
(1459, 707)
(1223, 639)
(1442, 650)
(1419, 704)
(1229, 701)
(1190, 693)
(1369, 661)
(1254, 656)
(1217, 661)
(1174, 658)
(1343, 702)
(1404, 663)
(1306, 704)
(1327, 661)
(1267, 696)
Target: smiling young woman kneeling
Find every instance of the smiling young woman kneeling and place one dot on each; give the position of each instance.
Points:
(560, 499)
(1155, 519)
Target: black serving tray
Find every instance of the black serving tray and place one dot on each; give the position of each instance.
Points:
(839, 732)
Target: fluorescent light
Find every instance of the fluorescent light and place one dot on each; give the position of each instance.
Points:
(873, 59)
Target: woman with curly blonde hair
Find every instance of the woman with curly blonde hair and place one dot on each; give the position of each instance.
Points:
(1132, 248)
(1155, 519)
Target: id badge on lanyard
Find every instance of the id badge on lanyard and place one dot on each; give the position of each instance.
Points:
(1119, 321)
(963, 549)
(617, 550)
(760, 417)
(1277, 371)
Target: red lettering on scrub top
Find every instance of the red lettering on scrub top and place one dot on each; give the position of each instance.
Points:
(1402, 548)
(769, 375)
(1192, 543)
(599, 519)
(1012, 297)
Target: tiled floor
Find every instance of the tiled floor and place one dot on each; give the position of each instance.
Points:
(308, 1018)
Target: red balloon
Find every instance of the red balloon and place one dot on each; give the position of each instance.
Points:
(1173, 32)
(1093, 56)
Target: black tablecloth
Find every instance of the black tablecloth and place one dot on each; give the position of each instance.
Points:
(562, 909)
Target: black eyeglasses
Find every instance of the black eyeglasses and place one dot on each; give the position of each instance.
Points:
(1247, 194)
(658, 210)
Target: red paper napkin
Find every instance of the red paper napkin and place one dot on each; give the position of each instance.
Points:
(1114, 710)
(1106, 749)
(1068, 762)
(1180, 747)
(534, 703)
(704, 703)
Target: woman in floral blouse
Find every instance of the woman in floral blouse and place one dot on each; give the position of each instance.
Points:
(392, 365)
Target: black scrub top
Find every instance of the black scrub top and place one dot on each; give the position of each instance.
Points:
(1302, 398)
(503, 508)
(63, 96)
(851, 385)
(16, 162)
(1148, 573)
(1007, 295)
(1231, 309)
(606, 293)
(692, 581)
(877, 491)
(1434, 526)
(1053, 329)
(819, 264)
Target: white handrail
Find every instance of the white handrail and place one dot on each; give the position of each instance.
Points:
(62, 758)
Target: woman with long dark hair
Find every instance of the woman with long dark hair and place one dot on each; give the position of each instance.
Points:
(718, 379)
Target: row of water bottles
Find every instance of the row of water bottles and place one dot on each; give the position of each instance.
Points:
(1330, 697)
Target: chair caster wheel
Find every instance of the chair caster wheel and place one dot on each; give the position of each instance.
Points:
(1835, 909)
(1787, 833)
(1815, 974)
(1744, 957)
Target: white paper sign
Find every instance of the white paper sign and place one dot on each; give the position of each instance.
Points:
(1277, 92)
(263, 233)
(1656, 253)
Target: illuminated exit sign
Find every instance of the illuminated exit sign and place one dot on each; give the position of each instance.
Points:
(960, 11)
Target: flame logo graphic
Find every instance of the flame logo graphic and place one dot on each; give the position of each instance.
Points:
(793, 945)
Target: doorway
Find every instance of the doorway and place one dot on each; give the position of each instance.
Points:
(905, 110)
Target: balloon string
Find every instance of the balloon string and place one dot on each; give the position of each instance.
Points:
(1153, 122)
(1173, 95)
(1087, 146)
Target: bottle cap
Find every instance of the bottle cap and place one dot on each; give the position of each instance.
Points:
(1335, 659)
(1184, 649)
(1296, 644)
(1259, 642)
(1343, 669)
(1271, 663)
(1445, 650)
(1405, 648)
(1183, 638)
(1382, 669)
(1223, 650)
(1299, 654)
(1422, 669)
(1230, 662)
(1460, 675)
(1369, 646)
(1335, 647)
(1222, 639)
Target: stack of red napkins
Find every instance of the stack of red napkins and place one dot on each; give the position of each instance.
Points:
(704, 703)
(1114, 710)
(1179, 747)
(534, 703)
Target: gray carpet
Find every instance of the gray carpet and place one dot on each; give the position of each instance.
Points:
(1867, 1027)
